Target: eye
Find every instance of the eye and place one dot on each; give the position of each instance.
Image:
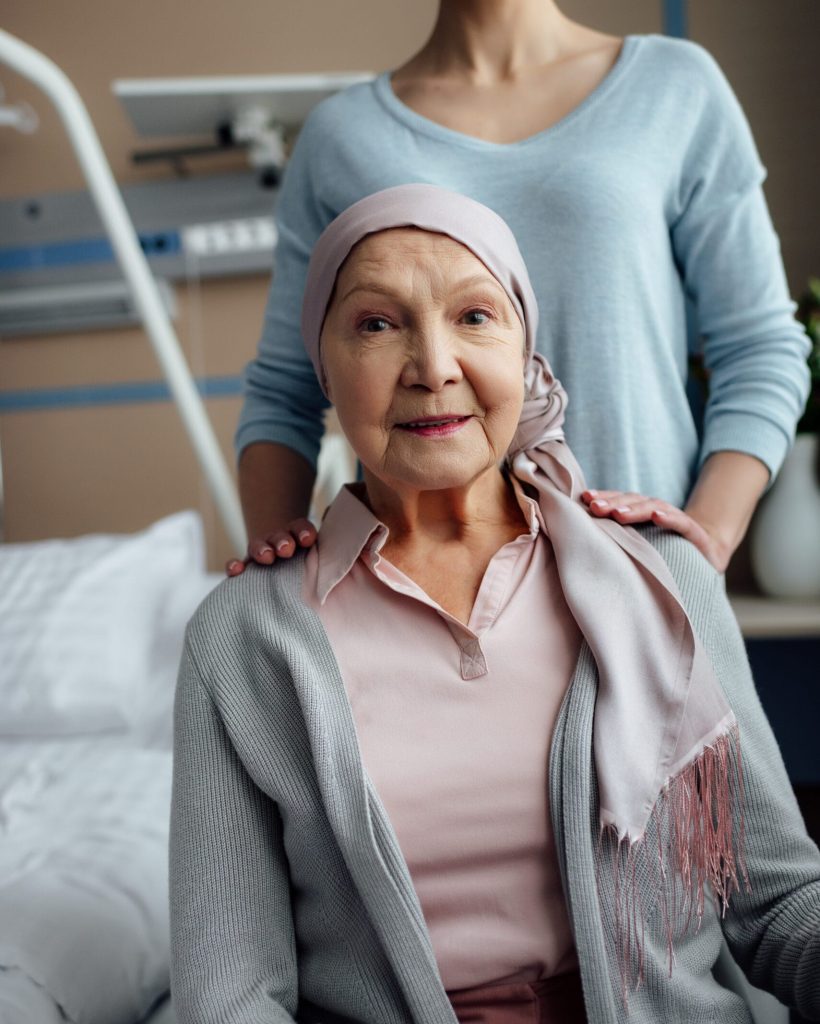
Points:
(374, 325)
(475, 317)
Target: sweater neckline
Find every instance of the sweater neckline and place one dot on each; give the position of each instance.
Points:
(419, 123)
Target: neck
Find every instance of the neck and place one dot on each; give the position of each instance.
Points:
(416, 516)
(492, 40)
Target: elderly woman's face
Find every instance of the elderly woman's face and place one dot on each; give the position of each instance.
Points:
(424, 359)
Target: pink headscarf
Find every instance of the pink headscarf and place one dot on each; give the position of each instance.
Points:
(664, 736)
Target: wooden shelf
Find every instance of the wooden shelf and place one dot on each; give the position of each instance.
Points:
(776, 617)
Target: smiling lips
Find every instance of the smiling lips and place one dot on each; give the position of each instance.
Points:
(434, 426)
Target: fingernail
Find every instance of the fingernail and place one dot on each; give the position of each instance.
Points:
(304, 535)
(600, 503)
(623, 509)
(282, 546)
(659, 513)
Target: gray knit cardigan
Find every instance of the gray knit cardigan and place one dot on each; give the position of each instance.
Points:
(290, 897)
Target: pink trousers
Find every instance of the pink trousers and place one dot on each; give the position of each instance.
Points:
(556, 1000)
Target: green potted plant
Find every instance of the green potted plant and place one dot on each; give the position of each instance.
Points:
(785, 542)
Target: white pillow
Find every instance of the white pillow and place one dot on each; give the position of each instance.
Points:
(79, 620)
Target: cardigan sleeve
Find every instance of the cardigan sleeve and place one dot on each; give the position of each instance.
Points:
(773, 930)
(233, 957)
(729, 258)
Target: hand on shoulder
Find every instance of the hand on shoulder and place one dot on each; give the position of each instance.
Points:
(629, 508)
(280, 542)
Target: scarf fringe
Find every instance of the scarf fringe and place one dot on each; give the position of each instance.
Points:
(694, 819)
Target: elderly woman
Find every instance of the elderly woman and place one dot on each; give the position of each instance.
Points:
(477, 755)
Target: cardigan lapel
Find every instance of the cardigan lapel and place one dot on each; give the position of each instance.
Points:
(574, 812)
(358, 819)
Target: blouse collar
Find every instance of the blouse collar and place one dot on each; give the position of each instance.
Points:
(349, 529)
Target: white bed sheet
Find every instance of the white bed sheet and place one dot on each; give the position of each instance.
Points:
(83, 879)
(22, 1001)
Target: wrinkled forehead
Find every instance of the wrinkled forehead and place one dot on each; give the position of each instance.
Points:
(401, 253)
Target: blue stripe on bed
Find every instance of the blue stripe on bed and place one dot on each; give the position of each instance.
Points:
(130, 393)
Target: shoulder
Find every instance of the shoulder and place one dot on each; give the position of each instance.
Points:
(337, 144)
(340, 112)
(703, 594)
(257, 604)
(699, 583)
(686, 74)
(682, 557)
(683, 60)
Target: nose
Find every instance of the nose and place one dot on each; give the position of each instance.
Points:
(431, 359)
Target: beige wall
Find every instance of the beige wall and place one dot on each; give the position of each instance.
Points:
(120, 467)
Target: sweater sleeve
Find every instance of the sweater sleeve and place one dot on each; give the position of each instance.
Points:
(283, 401)
(233, 957)
(773, 930)
(729, 257)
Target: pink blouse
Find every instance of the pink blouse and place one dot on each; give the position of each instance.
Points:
(454, 724)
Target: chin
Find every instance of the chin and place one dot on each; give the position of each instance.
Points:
(439, 478)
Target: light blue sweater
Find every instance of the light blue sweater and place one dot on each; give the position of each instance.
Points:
(647, 194)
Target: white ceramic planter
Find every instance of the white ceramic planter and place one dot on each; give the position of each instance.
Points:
(785, 542)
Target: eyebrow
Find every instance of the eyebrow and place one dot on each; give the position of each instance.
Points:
(466, 282)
